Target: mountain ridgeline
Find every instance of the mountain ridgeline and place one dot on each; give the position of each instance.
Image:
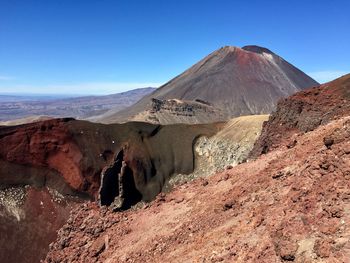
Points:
(235, 81)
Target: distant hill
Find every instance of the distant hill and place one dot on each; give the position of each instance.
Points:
(239, 81)
(20, 107)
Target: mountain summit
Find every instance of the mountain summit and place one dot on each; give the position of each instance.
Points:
(238, 81)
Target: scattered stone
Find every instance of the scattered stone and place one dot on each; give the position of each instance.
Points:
(286, 249)
(179, 200)
(98, 246)
(322, 248)
(328, 141)
(347, 149)
(292, 144)
(228, 205)
(279, 174)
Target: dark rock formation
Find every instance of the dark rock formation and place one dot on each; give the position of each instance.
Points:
(174, 111)
(44, 153)
(118, 164)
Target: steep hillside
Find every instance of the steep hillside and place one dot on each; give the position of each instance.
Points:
(290, 205)
(239, 81)
(227, 148)
(304, 112)
(47, 167)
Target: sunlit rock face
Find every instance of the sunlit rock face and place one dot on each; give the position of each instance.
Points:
(304, 112)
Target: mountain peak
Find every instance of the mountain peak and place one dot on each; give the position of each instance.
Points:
(257, 49)
(238, 81)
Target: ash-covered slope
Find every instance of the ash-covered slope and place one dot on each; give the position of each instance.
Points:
(239, 81)
(304, 112)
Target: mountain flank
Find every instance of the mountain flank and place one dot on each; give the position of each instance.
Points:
(237, 81)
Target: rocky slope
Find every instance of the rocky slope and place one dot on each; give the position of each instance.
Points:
(239, 81)
(78, 152)
(178, 111)
(303, 112)
(290, 205)
(227, 148)
(47, 167)
(29, 220)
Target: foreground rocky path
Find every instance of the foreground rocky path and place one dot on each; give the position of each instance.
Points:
(292, 204)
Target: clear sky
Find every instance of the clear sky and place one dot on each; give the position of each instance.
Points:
(106, 46)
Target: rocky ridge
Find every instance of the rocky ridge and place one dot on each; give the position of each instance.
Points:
(303, 112)
(178, 111)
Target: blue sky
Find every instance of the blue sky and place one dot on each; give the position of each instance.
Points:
(105, 46)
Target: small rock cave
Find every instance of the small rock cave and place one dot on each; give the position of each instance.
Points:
(128, 193)
(109, 189)
(118, 186)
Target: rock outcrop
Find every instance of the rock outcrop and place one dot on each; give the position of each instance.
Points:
(178, 111)
(290, 205)
(304, 112)
(58, 163)
(71, 155)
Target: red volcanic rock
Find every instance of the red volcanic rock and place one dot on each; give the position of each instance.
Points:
(29, 222)
(72, 158)
(304, 112)
(299, 216)
(64, 153)
(46, 144)
(290, 204)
